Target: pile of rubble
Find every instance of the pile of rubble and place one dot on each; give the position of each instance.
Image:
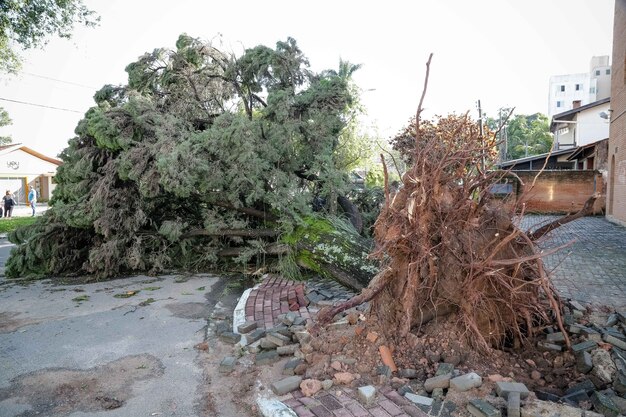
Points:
(595, 380)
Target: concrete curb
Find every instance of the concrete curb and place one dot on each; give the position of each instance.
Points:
(239, 314)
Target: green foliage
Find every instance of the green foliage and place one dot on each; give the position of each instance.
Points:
(197, 139)
(5, 120)
(526, 135)
(29, 24)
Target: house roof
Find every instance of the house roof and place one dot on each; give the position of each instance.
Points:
(5, 149)
(581, 150)
(535, 157)
(569, 115)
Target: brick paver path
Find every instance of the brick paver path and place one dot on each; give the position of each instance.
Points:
(593, 268)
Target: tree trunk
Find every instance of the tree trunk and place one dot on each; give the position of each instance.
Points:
(335, 251)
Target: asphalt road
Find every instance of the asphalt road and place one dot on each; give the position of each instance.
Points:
(115, 348)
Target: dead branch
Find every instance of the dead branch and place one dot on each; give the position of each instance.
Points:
(586, 210)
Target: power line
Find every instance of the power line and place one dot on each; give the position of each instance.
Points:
(40, 105)
(60, 81)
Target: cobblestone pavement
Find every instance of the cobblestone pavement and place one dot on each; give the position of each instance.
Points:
(593, 268)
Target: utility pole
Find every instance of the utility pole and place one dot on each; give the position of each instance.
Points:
(480, 126)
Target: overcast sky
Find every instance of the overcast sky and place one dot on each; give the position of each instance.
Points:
(499, 51)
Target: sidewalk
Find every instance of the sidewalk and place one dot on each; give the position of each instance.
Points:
(25, 211)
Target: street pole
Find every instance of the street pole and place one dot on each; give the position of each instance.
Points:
(480, 126)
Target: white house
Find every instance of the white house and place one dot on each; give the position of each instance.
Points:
(22, 168)
(571, 90)
(582, 125)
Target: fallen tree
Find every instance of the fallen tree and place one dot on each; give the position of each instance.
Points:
(448, 249)
(202, 159)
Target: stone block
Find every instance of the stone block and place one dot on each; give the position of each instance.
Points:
(577, 306)
(575, 398)
(407, 373)
(619, 384)
(366, 395)
(255, 335)
(585, 346)
(287, 350)
(548, 346)
(604, 405)
(608, 338)
(586, 386)
(513, 407)
(575, 329)
(558, 337)
(611, 320)
(227, 365)
(290, 366)
(289, 318)
(441, 381)
(230, 338)
(266, 357)
(383, 370)
(405, 389)
(265, 343)
(221, 327)
(503, 389)
(247, 327)
(286, 385)
(437, 394)
(278, 339)
(547, 396)
(583, 362)
(419, 399)
(481, 408)
(444, 368)
(466, 382)
(299, 321)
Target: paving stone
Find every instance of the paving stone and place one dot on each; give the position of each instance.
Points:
(614, 341)
(247, 327)
(575, 329)
(586, 386)
(615, 333)
(619, 384)
(575, 398)
(290, 366)
(227, 365)
(330, 402)
(255, 335)
(583, 362)
(466, 382)
(481, 408)
(286, 385)
(407, 373)
(548, 346)
(366, 395)
(289, 318)
(266, 357)
(603, 404)
(441, 381)
(576, 305)
(278, 339)
(230, 337)
(419, 399)
(383, 370)
(558, 337)
(265, 343)
(547, 396)
(437, 393)
(287, 350)
(611, 320)
(513, 404)
(405, 389)
(221, 327)
(299, 321)
(621, 316)
(587, 346)
(503, 389)
(444, 368)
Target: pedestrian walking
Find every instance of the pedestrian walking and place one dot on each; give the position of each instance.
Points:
(32, 199)
(8, 203)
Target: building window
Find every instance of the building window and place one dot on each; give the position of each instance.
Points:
(578, 87)
(592, 90)
(562, 88)
(597, 72)
(608, 71)
(559, 104)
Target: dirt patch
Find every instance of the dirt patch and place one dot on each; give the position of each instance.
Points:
(10, 322)
(58, 391)
(189, 310)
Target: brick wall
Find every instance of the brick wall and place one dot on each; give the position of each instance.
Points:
(616, 187)
(563, 191)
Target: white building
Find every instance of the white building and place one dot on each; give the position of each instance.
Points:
(571, 90)
(581, 126)
(22, 168)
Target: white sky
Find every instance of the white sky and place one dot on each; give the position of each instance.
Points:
(499, 51)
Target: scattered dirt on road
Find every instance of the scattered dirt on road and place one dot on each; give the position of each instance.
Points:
(59, 391)
(189, 310)
(10, 322)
